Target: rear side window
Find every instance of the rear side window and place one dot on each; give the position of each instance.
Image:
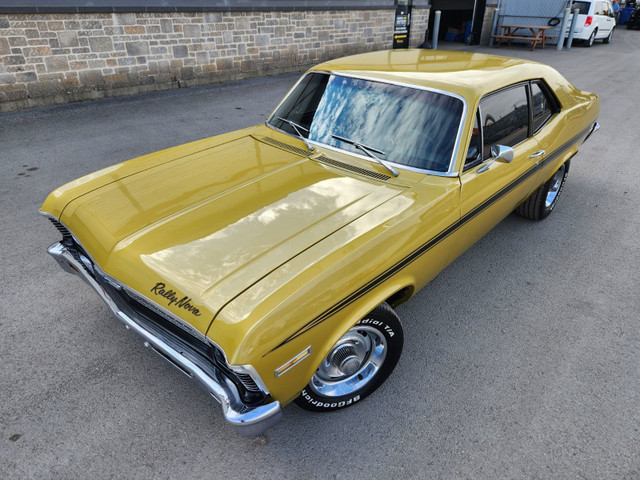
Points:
(582, 6)
(543, 107)
(505, 118)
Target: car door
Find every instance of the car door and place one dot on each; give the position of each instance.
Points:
(547, 128)
(603, 19)
(611, 17)
(491, 188)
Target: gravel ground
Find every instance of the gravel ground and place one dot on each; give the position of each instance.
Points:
(521, 360)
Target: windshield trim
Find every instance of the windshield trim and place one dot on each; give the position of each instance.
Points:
(463, 118)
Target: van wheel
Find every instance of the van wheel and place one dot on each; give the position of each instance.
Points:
(608, 39)
(357, 364)
(542, 202)
(591, 39)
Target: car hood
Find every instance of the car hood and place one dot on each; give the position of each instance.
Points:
(193, 233)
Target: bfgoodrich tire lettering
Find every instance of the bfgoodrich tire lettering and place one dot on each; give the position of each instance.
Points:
(357, 364)
(542, 202)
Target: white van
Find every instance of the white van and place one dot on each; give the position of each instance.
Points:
(596, 21)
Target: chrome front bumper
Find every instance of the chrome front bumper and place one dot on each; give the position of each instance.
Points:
(248, 421)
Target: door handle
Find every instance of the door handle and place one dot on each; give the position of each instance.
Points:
(537, 154)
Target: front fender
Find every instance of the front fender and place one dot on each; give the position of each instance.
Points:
(318, 295)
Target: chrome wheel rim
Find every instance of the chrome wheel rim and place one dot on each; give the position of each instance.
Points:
(554, 189)
(351, 364)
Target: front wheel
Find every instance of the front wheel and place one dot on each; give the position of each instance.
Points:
(357, 364)
(542, 202)
(609, 37)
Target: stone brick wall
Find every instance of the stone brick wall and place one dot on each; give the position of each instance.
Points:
(419, 24)
(57, 58)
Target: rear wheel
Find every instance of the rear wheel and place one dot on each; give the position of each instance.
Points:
(357, 364)
(609, 37)
(542, 202)
(592, 38)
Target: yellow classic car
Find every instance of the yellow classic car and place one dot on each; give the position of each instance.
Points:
(265, 263)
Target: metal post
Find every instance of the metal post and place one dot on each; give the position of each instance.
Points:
(494, 26)
(436, 29)
(563, 28)
(574, 22)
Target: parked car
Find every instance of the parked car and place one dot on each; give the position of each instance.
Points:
(265, 263)
(596, 21)
(634, 20)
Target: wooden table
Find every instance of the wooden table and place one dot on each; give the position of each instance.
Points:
(534, 34)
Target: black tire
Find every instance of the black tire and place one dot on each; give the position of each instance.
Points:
(591, 39)
(629, 25)
(608, 39)
(381, 325)
(537, 206)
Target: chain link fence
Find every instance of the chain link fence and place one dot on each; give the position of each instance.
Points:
(534, 12)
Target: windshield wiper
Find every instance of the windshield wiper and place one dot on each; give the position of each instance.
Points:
(369, 151)
(297, 128)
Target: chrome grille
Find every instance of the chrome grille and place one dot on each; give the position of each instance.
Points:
(191, 336)
(352, 168)
(156, 309)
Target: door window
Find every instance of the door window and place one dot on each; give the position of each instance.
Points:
(505, 118)
(543, 107)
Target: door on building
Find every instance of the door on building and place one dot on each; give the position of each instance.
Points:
(460, 21)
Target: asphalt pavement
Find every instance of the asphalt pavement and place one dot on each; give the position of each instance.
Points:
(521, 360)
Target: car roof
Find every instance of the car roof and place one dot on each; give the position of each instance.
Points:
(470, 75)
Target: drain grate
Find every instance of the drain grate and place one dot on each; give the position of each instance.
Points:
(324, 159)
(285, 146)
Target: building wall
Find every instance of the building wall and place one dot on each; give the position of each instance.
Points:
(57, 58)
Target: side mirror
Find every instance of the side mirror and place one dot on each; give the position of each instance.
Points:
(500, 152)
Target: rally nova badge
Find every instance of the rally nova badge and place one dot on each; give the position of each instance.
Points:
(173, 298)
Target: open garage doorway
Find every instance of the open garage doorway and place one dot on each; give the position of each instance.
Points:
(461, 20)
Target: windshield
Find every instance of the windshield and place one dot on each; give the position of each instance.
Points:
(403, 125)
